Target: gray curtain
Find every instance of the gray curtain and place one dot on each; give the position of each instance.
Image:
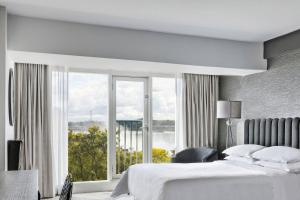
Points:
(200, 95)
(32, 122)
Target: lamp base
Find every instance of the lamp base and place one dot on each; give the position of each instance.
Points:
(229, 136)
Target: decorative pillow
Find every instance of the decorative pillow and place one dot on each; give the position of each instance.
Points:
(240, 159)
(244, 150)
(278, 154)
(289, 167)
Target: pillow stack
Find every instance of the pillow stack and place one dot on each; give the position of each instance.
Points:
(275, 157)
(242, 153)
(279, 157)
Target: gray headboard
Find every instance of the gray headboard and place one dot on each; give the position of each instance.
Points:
(272, 132)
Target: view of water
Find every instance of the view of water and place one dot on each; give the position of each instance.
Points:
(163, 135)
(164, 140)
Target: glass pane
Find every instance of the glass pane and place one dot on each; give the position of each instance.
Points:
(163, 124)
(129, 116)
(87, 116)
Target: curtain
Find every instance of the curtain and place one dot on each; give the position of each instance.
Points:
(60, 124)
(32, 122)
(180, 139)
(199, 100)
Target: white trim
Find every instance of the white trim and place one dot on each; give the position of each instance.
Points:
(112, 153)
(120, 73)
(146, 123)
(150, 120)
(94, 186)
(122, 65)
(110, 161)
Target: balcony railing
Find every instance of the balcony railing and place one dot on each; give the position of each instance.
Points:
(129, 134)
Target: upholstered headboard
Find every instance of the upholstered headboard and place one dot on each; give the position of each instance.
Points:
(272, 132)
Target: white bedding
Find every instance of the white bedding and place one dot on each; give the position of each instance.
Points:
(220, 180)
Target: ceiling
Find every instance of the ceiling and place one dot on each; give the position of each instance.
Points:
(245, 20)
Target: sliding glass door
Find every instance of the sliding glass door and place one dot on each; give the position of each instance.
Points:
(115, 122)
(131, 122)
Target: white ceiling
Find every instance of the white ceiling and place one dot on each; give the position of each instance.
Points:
(246, 20)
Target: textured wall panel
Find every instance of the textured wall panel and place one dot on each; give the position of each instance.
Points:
(291, 58)
(271, 94)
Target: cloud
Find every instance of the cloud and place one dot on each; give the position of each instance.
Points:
(163, 98)
(88, 93)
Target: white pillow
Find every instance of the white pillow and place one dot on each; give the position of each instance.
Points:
(289, 167)
(240, 159)
(244, 150)
(278, 154)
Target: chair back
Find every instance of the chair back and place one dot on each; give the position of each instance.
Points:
(192, 155)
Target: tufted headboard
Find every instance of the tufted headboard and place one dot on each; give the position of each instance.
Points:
(272, 132)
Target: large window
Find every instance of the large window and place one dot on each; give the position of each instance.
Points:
(163, 124)
(87, 115)
(130, 142)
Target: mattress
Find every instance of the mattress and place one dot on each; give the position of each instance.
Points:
(220, 180)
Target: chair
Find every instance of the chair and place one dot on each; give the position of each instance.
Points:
(66, 192)
(193, 155)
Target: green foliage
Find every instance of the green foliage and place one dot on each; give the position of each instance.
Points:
(124, 159)
(160, 156)
(88, 155)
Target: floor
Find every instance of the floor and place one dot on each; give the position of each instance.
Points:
(89, 196)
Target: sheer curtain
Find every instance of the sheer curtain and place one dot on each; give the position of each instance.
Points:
(179, 125)
(60, 124)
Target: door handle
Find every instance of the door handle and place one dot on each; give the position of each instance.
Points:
(146, 127)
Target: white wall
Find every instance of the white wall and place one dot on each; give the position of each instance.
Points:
(58, 37)
(121, 66)
(3, 77)
(9, 130)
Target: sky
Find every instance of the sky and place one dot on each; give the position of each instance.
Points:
(88, 98)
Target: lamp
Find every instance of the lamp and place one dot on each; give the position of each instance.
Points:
(228, 110)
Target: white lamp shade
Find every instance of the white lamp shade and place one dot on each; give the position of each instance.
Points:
(229, 109)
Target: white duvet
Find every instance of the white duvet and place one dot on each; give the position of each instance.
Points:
(220, 180)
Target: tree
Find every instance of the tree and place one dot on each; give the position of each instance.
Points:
(87, 154)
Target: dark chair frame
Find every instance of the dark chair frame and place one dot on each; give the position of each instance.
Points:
(66, 192)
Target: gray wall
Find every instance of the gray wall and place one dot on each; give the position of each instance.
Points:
(291, 58)
(283, 44)
(3, 15)
(230, 87)
(274, 93)
(49, 36)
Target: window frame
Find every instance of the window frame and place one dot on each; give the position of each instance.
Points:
(104, 185)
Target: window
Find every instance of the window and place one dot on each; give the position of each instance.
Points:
(163, 124)
(87, 124)
(88, 141)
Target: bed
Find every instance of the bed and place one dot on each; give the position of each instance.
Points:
(220, 180)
